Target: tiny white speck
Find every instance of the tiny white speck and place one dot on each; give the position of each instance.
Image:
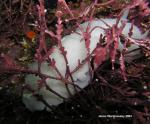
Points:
(66, 20)
(93, 55)
(135, 103)
(45, 10)
(36, 22)
(145, 87)
(78, 105)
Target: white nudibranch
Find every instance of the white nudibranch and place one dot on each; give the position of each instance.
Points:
(76, 51)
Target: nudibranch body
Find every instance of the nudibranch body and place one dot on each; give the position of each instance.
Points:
(76, 50)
